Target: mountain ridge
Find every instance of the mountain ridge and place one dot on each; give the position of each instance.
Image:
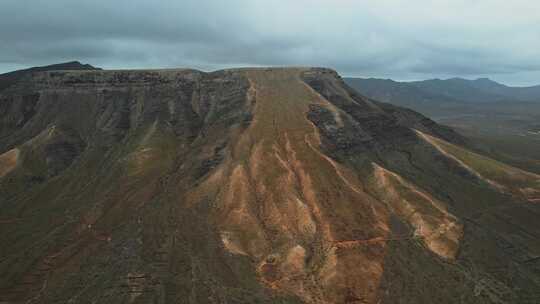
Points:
(445, 90)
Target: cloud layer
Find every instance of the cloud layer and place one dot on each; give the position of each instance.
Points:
(379, 38)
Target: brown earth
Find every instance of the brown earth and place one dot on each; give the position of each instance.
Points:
(8, 161)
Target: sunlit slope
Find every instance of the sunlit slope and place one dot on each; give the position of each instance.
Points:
(283, 203)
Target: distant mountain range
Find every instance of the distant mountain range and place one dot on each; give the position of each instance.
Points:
(454, 90)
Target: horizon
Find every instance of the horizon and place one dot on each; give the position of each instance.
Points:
(383, 39)
(278, 66)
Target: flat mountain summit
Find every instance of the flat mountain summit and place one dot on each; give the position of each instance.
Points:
(267, 185)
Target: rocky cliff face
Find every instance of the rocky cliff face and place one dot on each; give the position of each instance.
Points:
(249, 186)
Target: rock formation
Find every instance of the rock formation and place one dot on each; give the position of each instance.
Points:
(268, 185)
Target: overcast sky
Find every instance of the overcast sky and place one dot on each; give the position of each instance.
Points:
(403, 40)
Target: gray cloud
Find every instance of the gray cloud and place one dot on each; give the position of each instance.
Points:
(381, 38)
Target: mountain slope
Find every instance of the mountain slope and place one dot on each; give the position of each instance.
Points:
(501, 122)
(279, 185)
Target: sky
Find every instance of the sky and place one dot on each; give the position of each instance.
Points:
(402, 40)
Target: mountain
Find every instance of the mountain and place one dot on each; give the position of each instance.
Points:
(7, 79)
(391, 91)
(531, 94)
(258, 185)
(482, 90)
